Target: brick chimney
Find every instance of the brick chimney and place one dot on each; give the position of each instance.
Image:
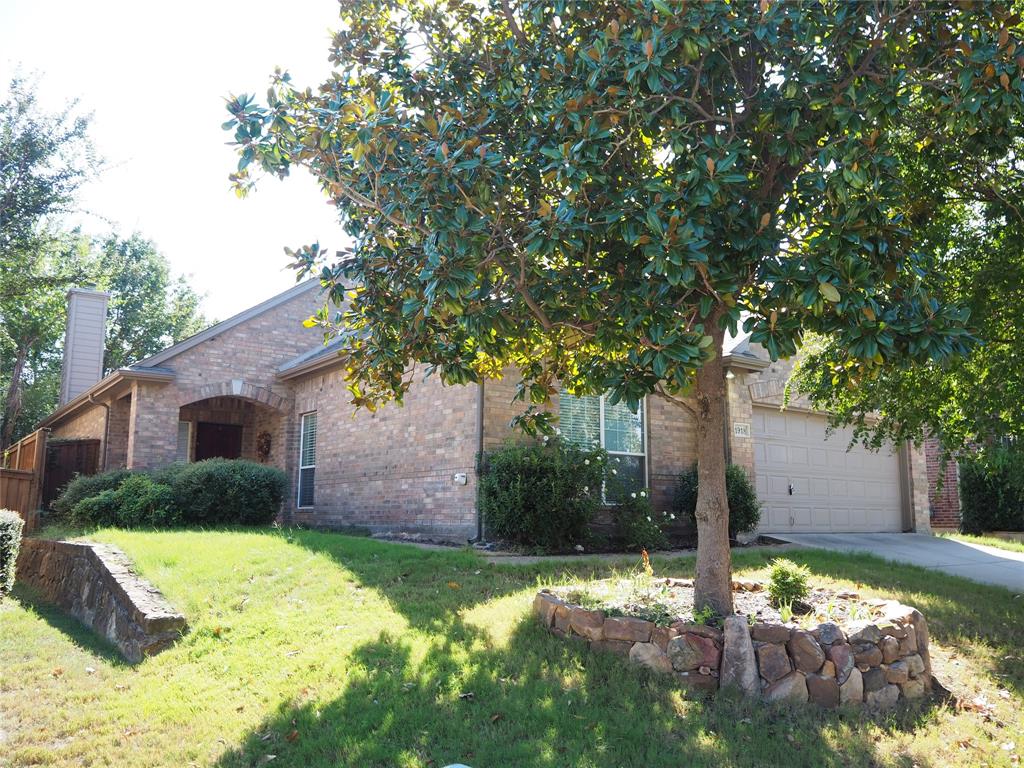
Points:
(84, 340)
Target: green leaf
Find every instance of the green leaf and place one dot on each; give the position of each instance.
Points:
(829, 292)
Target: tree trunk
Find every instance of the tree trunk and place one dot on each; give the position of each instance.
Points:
(713, 585)
(12, 402)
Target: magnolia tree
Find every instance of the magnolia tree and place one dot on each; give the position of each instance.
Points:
(593, 193)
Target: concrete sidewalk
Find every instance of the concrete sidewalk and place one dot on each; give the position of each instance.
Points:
(976, 562)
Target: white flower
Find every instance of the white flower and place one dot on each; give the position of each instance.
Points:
(616, 461)
(643, 494)
(587, 462)
(672, 516)
(615, 471)
(648, 518)
(586, 489)
(545, 438)
(558, 431)
(632, 495)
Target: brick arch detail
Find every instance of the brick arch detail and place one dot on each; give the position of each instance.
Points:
(236, 388)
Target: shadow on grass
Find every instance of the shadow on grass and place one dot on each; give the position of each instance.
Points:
(449, 691)
(79, 634)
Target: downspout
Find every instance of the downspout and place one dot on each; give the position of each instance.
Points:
(479, 459)
(729, 376)
(106, 430)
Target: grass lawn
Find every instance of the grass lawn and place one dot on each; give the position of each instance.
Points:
(311, 649)
(989, 541)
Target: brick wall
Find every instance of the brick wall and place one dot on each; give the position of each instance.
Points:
(945, 503)
(392, 470)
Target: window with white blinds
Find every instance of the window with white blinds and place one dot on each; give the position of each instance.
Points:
(307, 460)
(184, 450)
(593, 422)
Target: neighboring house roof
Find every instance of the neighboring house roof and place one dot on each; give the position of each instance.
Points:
(218, 328)
(736, 351)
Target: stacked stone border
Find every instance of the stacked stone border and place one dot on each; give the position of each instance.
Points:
(97, 585)
(872, 663)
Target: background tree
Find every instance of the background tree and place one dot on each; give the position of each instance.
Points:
(591, 193)
(148, 310)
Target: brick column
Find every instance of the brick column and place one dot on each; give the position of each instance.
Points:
(740, 418)
(920, 510)
(152, 428)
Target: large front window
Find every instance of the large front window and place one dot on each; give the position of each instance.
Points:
(593, 422)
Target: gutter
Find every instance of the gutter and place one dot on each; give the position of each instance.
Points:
(103, 385)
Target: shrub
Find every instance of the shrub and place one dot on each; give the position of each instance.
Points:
(787, 584)
(540, 494)
(11, 526)
(744, 507)
(83, 486)
(992, 490)
(138, 501)
(226, 491)
(636, 523)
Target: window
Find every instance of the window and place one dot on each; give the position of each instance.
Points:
(184, 451)
(307, 459)
(593, 422)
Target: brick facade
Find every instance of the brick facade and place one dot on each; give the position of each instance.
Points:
(409, 467)
(944, 503)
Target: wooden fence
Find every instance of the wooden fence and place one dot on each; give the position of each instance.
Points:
(21, 477)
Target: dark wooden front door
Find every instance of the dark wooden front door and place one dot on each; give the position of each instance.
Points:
(64, 460)
(218, 441)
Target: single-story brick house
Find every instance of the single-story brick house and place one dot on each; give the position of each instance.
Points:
(261, 386)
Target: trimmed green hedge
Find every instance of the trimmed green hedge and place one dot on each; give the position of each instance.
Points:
(992, 490)
(212, 492)
(744, 507)
(11, 527)
(541, 495)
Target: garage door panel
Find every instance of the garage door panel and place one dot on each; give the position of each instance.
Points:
(833, 489)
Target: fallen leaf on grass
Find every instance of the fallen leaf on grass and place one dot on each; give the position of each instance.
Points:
(454, 585)
(496, 717)
(293, 736)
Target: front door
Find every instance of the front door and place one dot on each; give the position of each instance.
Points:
(218, 441)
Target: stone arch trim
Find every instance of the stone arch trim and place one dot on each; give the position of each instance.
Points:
(236, 388)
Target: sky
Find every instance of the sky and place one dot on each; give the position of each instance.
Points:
(154, 75)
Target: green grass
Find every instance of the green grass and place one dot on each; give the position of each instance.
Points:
(989, 541)
(327, 650)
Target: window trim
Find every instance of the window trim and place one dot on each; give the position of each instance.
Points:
(301, 466)
(188, 441)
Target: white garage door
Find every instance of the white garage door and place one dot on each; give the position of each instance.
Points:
(809, 483)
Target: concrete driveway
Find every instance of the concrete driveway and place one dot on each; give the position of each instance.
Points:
(987, 565)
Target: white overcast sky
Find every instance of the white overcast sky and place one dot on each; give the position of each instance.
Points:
(154, 75)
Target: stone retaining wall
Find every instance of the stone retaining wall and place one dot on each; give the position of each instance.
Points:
(96, 584)
(875, 662)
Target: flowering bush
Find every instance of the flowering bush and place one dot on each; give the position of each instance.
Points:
(636, 523)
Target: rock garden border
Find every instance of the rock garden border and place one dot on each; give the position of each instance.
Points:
(874, 663)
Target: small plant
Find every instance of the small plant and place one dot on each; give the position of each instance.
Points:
(786, 612)
(788, 583)
(636, 523)
(645, 562)
(704, 616)
(857, 612)
(11, 526)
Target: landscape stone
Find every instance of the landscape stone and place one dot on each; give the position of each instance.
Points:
(892, 629)
(897, 672)
(828, 669)
(714, 633)
(908, 644)
(793, 687)
(823, 691)
(890, 648)
(867, 655)
(807, 655)
(560, 625)
(841, 655)
(544, 606)
(683, 654)
(884, 698)
(773, 662)
(739, 666)
(915, 665)
(912, 689)
(651, 656)
(828, 634)
(627, 628)
(874, 680)
(770, 633)
(696, 682)
(661, 635)
(865, 633)
(586, 623)
(619, 647)
(853, 689)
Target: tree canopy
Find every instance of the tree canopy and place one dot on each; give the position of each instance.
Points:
(590, 193)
